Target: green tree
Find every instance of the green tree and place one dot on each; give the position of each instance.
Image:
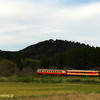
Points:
(44, 62)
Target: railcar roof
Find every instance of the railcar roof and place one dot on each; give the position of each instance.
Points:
(51, 69)
(68, 70)
(81, 70)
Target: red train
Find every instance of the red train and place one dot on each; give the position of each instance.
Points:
(69, 72)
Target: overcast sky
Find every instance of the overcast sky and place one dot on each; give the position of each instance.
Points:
(27, 22)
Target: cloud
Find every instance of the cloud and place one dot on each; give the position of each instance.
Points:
(25, 22)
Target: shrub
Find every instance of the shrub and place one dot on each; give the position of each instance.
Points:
(7, 67)
(74, 80)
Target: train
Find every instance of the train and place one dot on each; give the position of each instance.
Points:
(69, 72)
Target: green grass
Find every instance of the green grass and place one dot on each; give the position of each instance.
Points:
(51, 79)
(48, 86)
(46, 89)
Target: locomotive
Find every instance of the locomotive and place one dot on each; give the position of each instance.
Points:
(69, 72)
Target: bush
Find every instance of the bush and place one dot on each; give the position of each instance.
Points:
(7, 67)
(90, 81)
(74, 80)
(25, 79)
(3, 80)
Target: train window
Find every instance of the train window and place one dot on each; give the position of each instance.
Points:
(63, 71)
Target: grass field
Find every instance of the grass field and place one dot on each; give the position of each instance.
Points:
(49, 91)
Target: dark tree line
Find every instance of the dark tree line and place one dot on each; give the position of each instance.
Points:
(82, 58)
(49, 48)
(50, 54)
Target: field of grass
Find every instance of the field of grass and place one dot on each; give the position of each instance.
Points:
(41, 91)
(90, 96)
(48, 87)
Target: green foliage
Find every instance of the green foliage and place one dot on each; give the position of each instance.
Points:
(50, 54)
(31, 63)
(44, 62)
(15, 57)
(7, 68)
(80, 58)
(49, 48)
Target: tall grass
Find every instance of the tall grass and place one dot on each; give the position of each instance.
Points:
(90, 96)
(50, 79)
(46, 89)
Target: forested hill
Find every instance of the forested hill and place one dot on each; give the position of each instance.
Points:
(49, 48)
(51, 54)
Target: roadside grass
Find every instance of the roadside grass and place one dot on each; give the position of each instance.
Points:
(51, 79)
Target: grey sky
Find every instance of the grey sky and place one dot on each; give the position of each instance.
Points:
(26, 22)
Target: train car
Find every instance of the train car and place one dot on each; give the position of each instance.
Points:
(52, 71)
(83, 73)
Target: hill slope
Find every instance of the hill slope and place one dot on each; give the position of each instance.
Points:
(49, 48)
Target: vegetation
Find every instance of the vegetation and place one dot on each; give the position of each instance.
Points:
(83, 58)
(30, 78)
(49, 48)
(33, 90)
(51, 54)
(91, 96)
